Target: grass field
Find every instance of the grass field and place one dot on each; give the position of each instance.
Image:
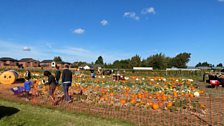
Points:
(14, 114)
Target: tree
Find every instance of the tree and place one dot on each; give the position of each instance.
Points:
(122, 64)
(220, 65)
(198, 65)
(157, 61)
(135, 61)
(57, 59)
(204, 64)
(144, 63)
(170, 62)
(79, 63)
(109, 65)
(99, 61)
(181, 60)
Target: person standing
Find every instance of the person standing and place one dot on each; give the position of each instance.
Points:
(28, 75)
(92, 73)
(52, 84)
(27, 87)
(57, 74)
(66, 82)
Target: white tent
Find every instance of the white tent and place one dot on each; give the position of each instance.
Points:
(86, 67)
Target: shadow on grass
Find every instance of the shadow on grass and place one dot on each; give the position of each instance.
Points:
(7, 111)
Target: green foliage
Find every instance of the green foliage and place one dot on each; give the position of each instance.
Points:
(220, 65)
(122, 64)
(157, 61)
(99, 61)
(204, 64)
(135, 61)
(57, 59)
(181, 60)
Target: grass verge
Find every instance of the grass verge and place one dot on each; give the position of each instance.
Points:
(16, 114)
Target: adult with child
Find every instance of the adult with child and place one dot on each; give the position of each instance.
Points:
(66, 82)
(52, 84)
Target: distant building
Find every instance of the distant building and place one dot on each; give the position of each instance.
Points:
(29, 62)
(142, 68)
(182, 69)
(86, 67)
(173, 68)
(52, 64)
(62, 64)
(7, 61)
(46, 63)
(204, 68)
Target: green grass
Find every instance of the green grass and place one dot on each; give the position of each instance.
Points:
(15, 114)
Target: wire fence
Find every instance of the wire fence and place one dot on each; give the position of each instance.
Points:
(210, 114)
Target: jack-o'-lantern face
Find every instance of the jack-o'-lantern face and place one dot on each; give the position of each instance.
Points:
(7, 78)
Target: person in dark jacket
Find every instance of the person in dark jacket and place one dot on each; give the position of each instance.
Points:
(57, 74)
(52, 84)
(66, 82)
(28, 75)
(92, 73)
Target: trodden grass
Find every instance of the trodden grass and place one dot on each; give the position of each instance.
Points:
(16, 114)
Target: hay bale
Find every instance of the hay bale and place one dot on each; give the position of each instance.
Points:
(8, 77)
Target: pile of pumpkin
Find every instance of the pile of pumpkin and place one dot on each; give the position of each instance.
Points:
(136, 91)
(150, 92)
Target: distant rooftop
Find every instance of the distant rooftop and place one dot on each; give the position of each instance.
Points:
(7, 59)
(46, 61)
(50, 61)
(28, 60)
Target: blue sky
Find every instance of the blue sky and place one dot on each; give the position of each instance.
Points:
(82, 30)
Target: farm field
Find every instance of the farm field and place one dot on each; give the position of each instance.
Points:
(142, 100)
(111, 63)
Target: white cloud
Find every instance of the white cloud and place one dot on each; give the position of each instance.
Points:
(132, 15)
(149, 10)
(220, 0)
(79, 31)
(26, 48)
(104, 22)
(69, 53)
(17, 50)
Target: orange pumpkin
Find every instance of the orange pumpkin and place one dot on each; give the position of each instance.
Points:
(164, 98)
(190, 95)
(160, 104)
(175, 95)
(122, 101)
(155, 106)
(169, 104)
(133, 101)
(140, 96)
(201, 92)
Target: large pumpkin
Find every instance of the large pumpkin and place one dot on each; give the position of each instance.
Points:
(8, 77)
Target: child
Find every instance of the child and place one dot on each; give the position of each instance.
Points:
(27, 86)
(52, 84)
